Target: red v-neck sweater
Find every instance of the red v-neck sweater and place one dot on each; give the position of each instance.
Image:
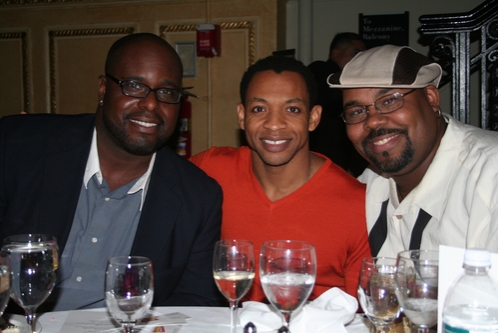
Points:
(327, 211)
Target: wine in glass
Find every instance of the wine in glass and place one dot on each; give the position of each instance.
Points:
(129, 289)
(417, 287)
(287, 274)
(376, 291)
(34, 261)
(234, 271)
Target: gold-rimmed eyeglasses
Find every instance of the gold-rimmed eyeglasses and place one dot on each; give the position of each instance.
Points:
(386, 104)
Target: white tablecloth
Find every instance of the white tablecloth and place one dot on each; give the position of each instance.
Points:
(202, 320)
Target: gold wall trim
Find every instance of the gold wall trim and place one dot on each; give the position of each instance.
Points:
(23, 36)
(164, 29)
(36, 2)
(74, 33)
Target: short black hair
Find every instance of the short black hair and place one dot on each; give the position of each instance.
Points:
(279, 64)
(342, 39)
(118, 46)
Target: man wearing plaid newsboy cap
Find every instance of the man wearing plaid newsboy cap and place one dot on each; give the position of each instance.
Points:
(432, 180)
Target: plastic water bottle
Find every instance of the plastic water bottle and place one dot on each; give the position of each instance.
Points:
(471, 303)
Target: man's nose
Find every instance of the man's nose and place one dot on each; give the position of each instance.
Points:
(374, 118)
(150, 102)
(275, 120)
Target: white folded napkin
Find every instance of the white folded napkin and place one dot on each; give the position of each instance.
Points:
(330, 312)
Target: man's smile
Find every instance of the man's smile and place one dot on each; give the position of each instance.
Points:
(383, 141)
(143, 123)
(274, 142)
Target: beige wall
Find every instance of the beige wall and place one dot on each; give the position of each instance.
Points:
(51, 54)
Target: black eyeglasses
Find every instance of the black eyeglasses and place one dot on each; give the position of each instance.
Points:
(385, 104)
(133, 88)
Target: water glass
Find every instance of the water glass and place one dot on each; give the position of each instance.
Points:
(34, 261)
(417, 287)
(129, 289)
(287, 272)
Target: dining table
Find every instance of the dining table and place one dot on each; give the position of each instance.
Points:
(186, 319)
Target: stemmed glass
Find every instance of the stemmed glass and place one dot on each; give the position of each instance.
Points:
(5, 281)
(129, 289)
(234, 271)
(34, 260)
(417, 287)
(376, 291)
(287, 274)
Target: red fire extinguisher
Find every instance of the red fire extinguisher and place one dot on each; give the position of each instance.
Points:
(184, 139)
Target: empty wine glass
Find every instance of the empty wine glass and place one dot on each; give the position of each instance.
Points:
(234, 271)
(376, 291)
(287, 274)
(34, 260)
(5, 281)
(417, 287)
(129, 289)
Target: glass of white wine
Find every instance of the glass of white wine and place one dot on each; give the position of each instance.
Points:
(376, 291)
(234, 271)
(417, 287)
(129, 289)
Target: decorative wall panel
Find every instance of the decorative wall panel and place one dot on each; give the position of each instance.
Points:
(73, 76)
(14, 66)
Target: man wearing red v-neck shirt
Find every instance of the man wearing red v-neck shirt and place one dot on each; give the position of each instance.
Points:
(276, 188)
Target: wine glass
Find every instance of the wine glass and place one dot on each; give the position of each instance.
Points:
(376, 291)
(417, 287)
(287, 274)
(5, 281)
(129, 289)
(234, 271)
(34, 260)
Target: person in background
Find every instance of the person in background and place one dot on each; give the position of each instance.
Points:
(276, 188)
(432, 180)
(104, 185)
(330, 138)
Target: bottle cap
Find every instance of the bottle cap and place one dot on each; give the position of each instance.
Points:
(477, 257)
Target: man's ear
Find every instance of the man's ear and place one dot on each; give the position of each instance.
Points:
(334, 55)
(314, 118)
(240, 115)
(433, 97)
(102, 87)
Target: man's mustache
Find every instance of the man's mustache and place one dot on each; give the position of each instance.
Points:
(383, 131)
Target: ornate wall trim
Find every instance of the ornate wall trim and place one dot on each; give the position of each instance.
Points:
(164, 29)
(31, 2)
(23, 36)
(74, 2)
(74, 33)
